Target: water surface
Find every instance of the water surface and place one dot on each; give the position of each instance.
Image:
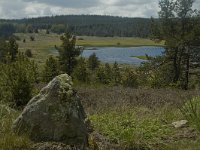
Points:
(122, 55)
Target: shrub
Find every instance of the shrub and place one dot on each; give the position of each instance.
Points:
(80, 72)
(93, 62)
(17, 80)
(104, 74)
(116, 75)
(28, 53)
(191, 111)
(51, 69)
(47, 31)
(129, 78)
(32, 38)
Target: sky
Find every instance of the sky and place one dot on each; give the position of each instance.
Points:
(17, 9)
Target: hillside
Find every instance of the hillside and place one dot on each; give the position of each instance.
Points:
(90, 25)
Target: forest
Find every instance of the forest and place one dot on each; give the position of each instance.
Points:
(90, 25)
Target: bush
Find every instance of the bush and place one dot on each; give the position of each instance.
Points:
(80, 72)
(28, 53)
(104, 74)
(191, 111)
(32, 38)
(116, 74)
(93, 62)
(51, 69)
(130, 78)
(17, 80)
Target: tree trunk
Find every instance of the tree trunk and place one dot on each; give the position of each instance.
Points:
(187, 69)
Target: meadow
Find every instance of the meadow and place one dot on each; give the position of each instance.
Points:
(123, 119)
(44, 44)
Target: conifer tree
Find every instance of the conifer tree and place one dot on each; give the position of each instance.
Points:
(93, 62)
(51, 69)
(80, 72)
(68, 52)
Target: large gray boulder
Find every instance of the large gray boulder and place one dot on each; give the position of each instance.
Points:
(55, 114)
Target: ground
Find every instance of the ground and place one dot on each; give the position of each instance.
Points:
(123, 118)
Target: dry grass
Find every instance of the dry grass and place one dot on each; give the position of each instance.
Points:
(138, 118)
(9, 140)
(97, 99)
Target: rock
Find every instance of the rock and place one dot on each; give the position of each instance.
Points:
(180, 124)
(55, 114)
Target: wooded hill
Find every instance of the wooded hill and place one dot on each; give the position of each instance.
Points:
(90, 25)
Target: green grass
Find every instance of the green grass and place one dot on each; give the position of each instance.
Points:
(136, 128)
(116, 41)
(9, 140)
(191, 111)
(44, 44)
(140, 57)
(144, 128)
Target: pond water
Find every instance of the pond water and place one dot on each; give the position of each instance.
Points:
(122, 55)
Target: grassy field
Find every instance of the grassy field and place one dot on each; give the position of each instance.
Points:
(139, 119)
(44, 44)
(122, 119)
(140, 57)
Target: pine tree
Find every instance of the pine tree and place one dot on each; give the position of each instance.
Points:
(17, 80)
(116, 75)
(130, 78)
(178, 28)
(93, 62)
(13, 48)
(80, 72)
(68, 52)
(51, 69)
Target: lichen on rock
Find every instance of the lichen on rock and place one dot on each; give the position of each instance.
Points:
(55, 114)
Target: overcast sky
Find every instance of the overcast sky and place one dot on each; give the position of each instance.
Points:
(10, 9)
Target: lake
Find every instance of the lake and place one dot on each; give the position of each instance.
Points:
(122, 55)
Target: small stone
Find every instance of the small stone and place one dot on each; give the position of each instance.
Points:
(180, 124)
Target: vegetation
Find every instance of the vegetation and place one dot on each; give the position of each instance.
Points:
(141, 57)
(51, 69)
(89, 25)
(6, 30)
(129, 107)
(191, 111)
(68, 53)
(179, 28)
(28, 53)
(93, 62)
(81, 72)
(8, 140)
